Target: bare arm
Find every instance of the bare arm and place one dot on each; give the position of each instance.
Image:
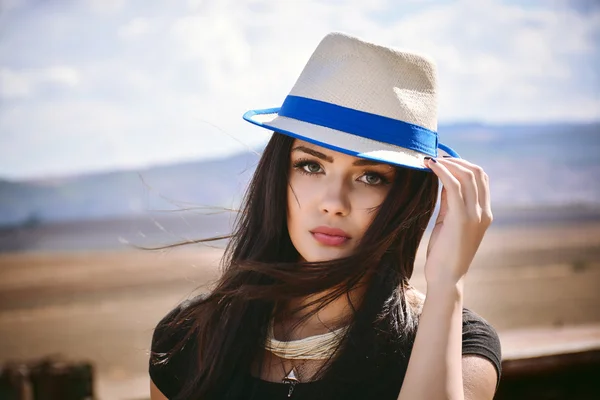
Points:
(435, 369)
(156, 394)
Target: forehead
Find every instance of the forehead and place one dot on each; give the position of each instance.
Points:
(302, 147)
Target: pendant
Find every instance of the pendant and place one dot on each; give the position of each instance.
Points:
(292, 380)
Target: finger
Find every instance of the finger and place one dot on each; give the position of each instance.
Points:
(482, 179)
(449, 181)
(443, 206)
(468, 186)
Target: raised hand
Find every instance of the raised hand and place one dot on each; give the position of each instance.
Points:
(464, 216)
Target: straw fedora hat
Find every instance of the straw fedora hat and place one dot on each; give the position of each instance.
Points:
(362, 99)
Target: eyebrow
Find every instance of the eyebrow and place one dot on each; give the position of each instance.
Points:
(360, 162)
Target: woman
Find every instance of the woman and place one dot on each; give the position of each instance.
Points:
(315, 300)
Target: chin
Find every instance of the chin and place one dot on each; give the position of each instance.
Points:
(316, 255)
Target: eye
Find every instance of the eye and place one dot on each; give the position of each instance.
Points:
(373, 179)
(307, 167)
(313, 168)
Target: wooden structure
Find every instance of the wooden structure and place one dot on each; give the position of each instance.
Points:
(551, 364)
(47, 379)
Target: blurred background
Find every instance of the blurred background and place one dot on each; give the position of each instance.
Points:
(120, 126)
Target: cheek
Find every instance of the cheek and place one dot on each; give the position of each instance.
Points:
(294, 201)
(364, 214)
(292, 207)
(367, 198)
(365, 203)
(299, 193)
(302, 207)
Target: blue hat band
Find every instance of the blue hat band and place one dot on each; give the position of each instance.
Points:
(360, 123)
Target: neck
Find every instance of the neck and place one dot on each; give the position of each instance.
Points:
(336, 314)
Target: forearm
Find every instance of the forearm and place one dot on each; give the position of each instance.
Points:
(435, 365)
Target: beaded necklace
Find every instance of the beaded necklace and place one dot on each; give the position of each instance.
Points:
(317, 347)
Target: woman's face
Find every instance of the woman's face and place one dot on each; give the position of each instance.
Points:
(330, 200)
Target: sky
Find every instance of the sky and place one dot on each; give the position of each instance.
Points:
(96, 85)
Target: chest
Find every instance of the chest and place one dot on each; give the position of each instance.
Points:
(379, 378)
(275, 369)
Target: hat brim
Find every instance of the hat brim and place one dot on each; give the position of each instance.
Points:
(342, 141)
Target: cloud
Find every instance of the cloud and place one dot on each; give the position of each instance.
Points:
(14, 84)
(25, 82)
(155, 81)
(106, 6)
(135, 28)
(62, 75)
(8, 5)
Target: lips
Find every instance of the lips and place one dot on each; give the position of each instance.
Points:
(330, 236)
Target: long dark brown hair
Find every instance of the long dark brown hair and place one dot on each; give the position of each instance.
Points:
(261, 269)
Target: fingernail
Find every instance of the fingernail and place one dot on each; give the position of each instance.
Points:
(432, 159)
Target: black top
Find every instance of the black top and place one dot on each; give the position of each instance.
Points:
(479, 337)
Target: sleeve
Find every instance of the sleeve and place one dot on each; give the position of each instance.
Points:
(479, 337)
(167, 376)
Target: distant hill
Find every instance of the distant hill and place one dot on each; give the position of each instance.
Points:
(543, 164)
(126, 193)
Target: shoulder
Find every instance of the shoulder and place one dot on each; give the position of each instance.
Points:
(480, 338)
(172, 327)
(173, 315)
(166, 366)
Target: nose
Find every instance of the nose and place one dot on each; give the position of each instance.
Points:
(335, 200)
